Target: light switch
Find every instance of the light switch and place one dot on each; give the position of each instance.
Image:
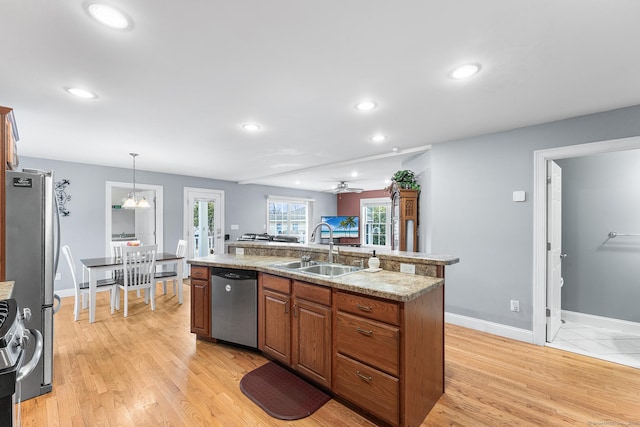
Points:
(235, 227)
(519, 196)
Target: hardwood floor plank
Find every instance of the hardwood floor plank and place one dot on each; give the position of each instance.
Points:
(149, 370)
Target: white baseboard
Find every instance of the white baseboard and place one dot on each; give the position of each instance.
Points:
(490, 327)
(602, 322)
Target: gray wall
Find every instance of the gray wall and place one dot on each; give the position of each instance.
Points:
(601, 194)
(475, 219)
(84, 229)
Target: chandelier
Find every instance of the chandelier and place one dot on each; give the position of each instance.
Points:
(132, 201)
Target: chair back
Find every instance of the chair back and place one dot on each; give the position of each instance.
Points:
(182, 248)
(116, 249)
(139, 263)
(66, 250)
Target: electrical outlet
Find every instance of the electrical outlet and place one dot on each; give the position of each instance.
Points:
(58, 276)
(239, 251)
(515, 305)
(407, 268)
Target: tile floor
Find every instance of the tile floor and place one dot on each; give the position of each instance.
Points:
(601, 343)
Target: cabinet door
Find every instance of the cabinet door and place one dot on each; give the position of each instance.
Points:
(312, 341)
(200, 307)
(277, 326)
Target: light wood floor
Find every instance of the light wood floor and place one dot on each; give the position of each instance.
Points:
(148, 370)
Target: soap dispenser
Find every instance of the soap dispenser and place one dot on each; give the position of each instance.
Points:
(374, 262)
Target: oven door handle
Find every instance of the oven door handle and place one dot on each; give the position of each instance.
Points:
(37, 353)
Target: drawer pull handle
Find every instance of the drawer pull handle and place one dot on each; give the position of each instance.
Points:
(364, 307)
(368, 332)
(364, 377)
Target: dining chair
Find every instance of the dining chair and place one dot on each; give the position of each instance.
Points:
(165, 276)
(81, 289)
(138, 265)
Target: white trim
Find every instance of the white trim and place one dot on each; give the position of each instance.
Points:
(499, 329)
(159, 211)
(540, 159)
(602, 322)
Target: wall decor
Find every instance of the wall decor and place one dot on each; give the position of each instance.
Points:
(62, 197)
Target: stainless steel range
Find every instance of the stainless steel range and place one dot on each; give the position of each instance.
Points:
(14, 340)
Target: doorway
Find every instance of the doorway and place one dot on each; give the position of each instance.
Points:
(541, 266)
(145, 225)
(203, 222)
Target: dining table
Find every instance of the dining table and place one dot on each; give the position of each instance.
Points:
(95, 266)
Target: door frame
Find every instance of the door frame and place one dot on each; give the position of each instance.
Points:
(186, 228)
(540, 159)
(109, 185)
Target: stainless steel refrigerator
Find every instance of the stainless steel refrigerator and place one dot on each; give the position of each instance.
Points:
(33, 242)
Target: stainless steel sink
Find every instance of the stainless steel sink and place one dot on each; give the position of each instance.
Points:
(295, 264)
(316, 268)
(330, 270)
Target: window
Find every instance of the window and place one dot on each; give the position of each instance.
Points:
(376, 222)
(288, 216)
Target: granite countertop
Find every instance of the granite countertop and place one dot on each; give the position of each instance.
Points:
(383, 284)
(6, 289)
(415, 257)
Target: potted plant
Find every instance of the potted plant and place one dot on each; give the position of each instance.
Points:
(405, 179)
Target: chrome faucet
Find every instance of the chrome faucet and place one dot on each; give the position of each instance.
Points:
(313, 237)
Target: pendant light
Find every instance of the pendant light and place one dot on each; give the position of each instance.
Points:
(132, 202)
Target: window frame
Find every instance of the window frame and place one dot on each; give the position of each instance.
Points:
(378, 201)
(291, 200)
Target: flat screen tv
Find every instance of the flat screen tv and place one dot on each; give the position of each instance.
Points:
(343, 226)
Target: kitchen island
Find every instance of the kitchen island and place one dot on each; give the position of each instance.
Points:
(372, 339)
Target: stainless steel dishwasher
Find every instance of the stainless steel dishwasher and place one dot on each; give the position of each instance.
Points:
(234, 306)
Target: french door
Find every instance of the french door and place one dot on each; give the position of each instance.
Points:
(203, 222)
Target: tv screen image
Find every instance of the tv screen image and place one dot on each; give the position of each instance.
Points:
(343, 226)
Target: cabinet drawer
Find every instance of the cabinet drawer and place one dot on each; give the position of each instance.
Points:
(369, 388)
(275, 283)
(199, 272)
(314, 293)
(374, 343)
(384, 311)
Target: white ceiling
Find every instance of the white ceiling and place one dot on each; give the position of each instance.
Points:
(177, 86)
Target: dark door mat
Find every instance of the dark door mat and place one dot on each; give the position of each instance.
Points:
(282, 394)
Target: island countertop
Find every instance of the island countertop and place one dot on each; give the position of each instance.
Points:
(383, 284)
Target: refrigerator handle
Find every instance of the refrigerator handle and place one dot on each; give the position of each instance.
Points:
(56, 258)
(57, 307)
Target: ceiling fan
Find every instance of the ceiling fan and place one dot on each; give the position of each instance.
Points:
(343, 187)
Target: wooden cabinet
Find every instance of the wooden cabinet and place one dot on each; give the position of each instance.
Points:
(8, 160)
(312, 332)
(404, 219)
(389, 356)
(200, 301)
(295, 325)
(274, 317)
(367, 354)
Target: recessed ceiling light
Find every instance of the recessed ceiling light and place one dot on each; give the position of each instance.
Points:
(395, 149)
(378, 138)
(387, 181)
(81, 93)
(366, 105)
(251, 127)
(465, 71)
(108, 16)
(354, 174)
(297, 182)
